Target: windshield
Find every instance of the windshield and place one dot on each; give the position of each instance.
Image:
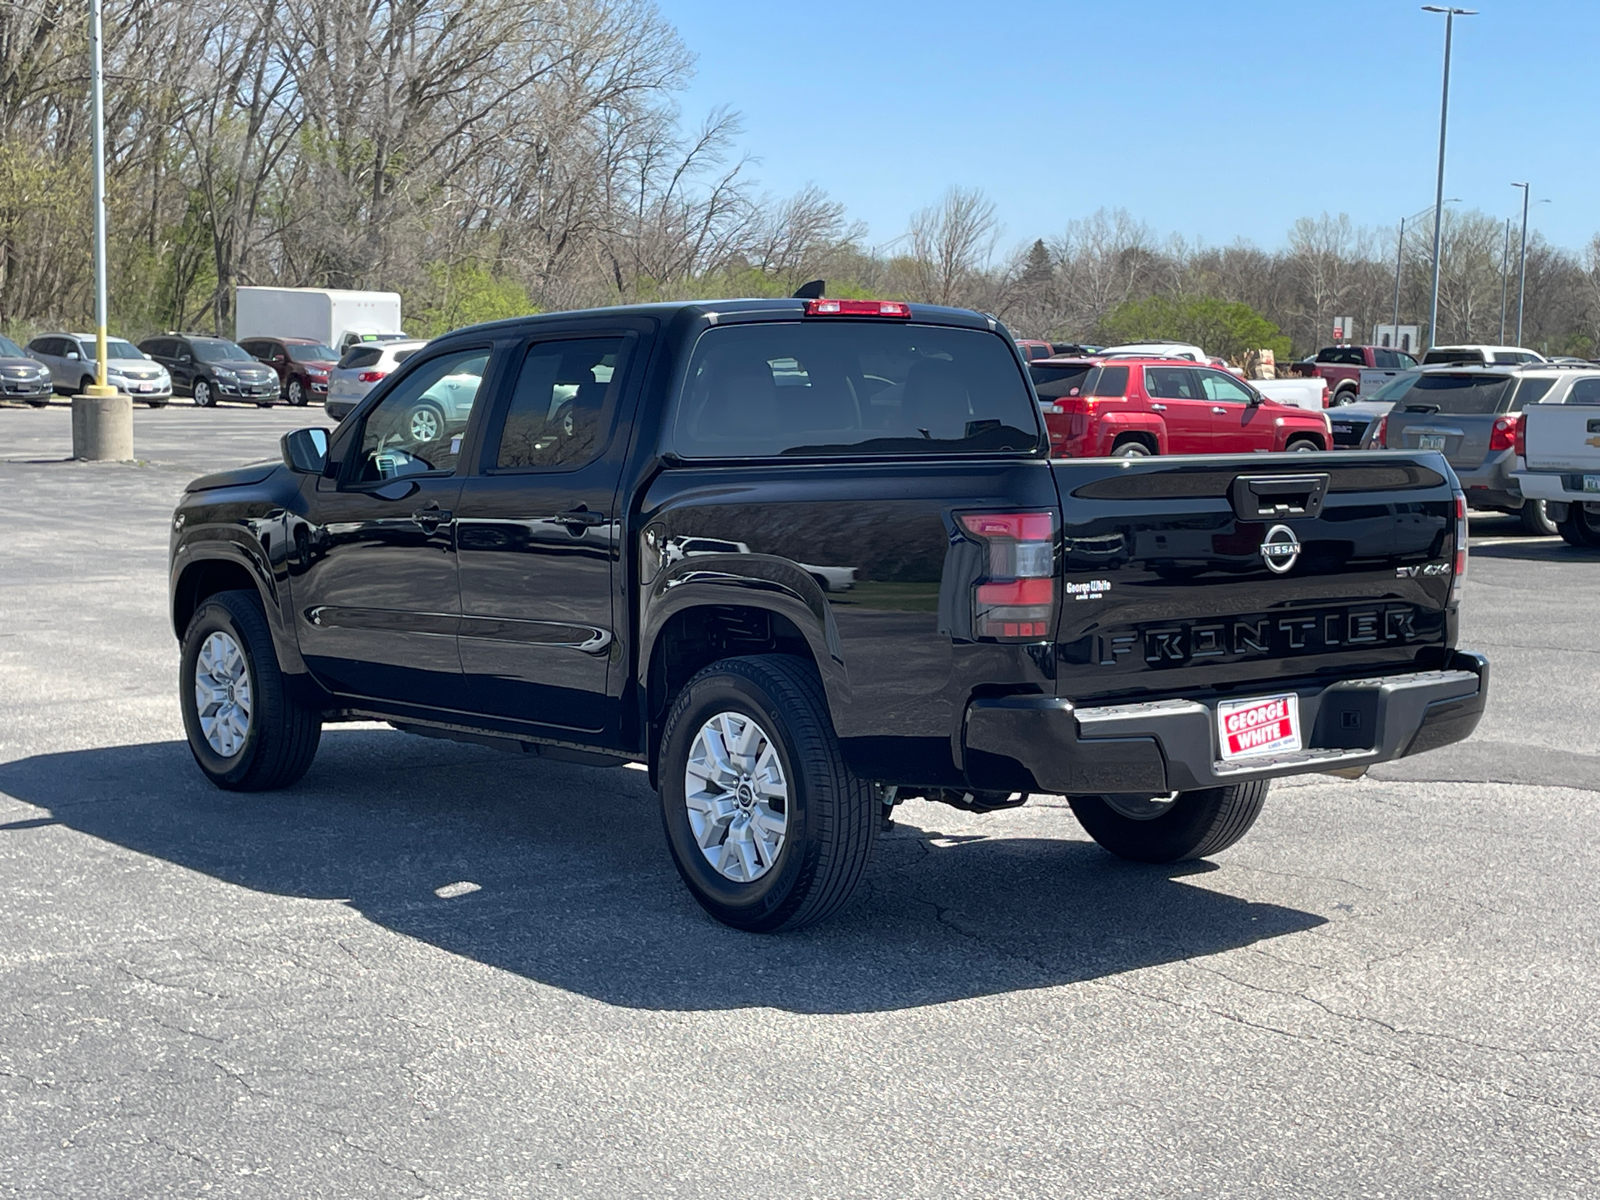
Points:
(1396, 387)
(313, 353)
(9, 349)
(852, 387)
(1464, 394)
(1054, 382)
(117, 348)
(218, 350)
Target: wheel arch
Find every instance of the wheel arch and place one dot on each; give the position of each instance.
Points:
(222, 567)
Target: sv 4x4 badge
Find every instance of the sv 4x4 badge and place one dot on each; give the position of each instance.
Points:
(1438, 568)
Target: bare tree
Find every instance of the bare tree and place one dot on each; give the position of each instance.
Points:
(952, 243)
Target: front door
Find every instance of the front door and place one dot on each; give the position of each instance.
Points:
(1237, 425)
(537, 538)
(1175, 393)
(376, 595)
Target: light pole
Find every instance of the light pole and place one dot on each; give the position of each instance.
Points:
(1450, 15)
(97, 101)
(1522, 259)
(1399, 259)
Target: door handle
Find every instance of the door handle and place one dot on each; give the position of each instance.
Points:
(581, 516)
(1219, 410)
(1159, 407)
(431, 517)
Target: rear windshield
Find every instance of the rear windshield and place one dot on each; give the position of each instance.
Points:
(851, 387)
(1395, 388)
(1451, 356)
(1052, 383)
(1462, 393)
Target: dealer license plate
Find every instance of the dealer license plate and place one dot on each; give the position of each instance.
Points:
(1591, 483)
(1430, 441)
(1265, 725)
(147, 387)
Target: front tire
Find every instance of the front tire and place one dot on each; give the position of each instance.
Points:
(246, 732)
(1192, 825)
(767, 826)
(425, 423)
(204, 397)
(1580, 529)
(1535, 518)
(297, 394)
(1304, 446)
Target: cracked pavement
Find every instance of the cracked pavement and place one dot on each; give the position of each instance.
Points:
(1389, 988)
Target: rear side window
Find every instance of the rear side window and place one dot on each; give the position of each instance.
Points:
(1111, 382)
(401, 355)
(1052, 383)
(1585, 391)
(1465, 394)
(1531, 391)
(561, 408)
(360, 356)
(1170, 383)
(851, 387)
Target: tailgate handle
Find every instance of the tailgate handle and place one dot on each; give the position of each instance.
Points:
(1263, 497)
(1594, 427)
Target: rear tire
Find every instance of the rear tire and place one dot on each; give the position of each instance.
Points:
(156, 403)
(782, 743)
(249, 734)
(1535, 517)
(1344, 396)
(1580, 529)
(85, 384)
(1194, 825)
(1131, 448)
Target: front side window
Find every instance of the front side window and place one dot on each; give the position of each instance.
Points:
(1223, 389)
(418, 427)
(560, 411)
(823, 387)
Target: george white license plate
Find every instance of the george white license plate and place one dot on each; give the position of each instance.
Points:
(1430, 441)
(147, 387)
(1265, 725)
(1591, 483)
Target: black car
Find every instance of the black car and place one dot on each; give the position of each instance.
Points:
(599, 552)
(21, 377)
(212, 369)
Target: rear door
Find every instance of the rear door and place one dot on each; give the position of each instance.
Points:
(538, 533)
(1176, 394)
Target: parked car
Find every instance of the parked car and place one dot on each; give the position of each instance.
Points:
(1157, 349)
(1130, 408)
(1354, 372)
(1558, 443)
(514, 584)
(22, 377)
(1361, 425)
(212, 369)
(356, 337)
(361, 369)
(1471, 415)
(70, 358)
(301, 364)
(1032, 348)
(1479, 356)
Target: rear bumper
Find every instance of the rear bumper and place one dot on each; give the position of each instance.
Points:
(1045, 744)
(1550, 485)
(1494, 484)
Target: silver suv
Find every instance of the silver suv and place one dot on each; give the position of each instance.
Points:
(71, 362)
(1471, 414)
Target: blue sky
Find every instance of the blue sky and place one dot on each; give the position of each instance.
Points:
(1216, 119)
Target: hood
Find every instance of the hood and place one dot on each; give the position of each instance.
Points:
(22, 368)
(237, 477)
(243, 366)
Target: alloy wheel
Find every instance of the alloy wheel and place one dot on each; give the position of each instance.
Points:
(202, 393)
(1140, 808)
(222, 694)
(424, 424)
(737, 796)
(297, 393)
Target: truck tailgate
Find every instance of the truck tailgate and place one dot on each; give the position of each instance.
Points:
(1164, 569)
(1562, 437)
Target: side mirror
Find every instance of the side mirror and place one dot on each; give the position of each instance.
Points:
(1255, 397)
(305, 451)
(185, 358)
(72, 355)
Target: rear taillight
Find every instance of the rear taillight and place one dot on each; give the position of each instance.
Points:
(1016, 596)
(1504, 434)
(371, 376)
(1520, 439)
(1381, 438)
(1460, 573)
(857, 308)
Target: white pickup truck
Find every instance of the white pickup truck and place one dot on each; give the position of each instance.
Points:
(1558, 445)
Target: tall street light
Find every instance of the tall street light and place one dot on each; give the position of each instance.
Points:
(1505, 276)
(1522, 260)
(1399, 259)
(1450, 15)
(97, 101)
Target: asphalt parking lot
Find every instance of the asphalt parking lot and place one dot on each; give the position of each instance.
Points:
(434, 970)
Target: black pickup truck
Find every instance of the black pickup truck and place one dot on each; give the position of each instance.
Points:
(806, 559)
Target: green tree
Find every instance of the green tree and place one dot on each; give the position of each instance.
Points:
(1225, 328)
(465, 293)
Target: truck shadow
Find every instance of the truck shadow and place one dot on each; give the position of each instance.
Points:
(574, 887)
(1537, 550)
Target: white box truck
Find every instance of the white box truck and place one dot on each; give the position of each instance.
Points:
(333, 317)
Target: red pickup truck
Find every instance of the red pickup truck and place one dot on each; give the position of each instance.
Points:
(1341, 366)
(1130, 408)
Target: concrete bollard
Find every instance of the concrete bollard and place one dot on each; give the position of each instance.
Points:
(102, 427)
